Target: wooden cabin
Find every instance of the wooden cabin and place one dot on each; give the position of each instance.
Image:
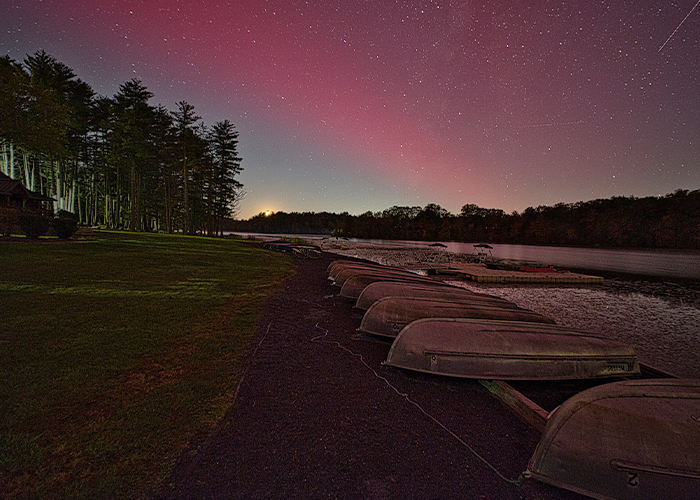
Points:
(14, 195)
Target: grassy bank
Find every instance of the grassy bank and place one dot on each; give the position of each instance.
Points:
(115, 353)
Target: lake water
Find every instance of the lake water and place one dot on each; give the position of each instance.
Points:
(684, 264)
(663, 263)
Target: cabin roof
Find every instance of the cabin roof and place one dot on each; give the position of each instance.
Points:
(15, 189)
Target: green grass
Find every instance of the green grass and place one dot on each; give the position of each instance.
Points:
(116, 353)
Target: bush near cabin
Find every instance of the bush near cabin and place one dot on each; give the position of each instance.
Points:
(64, 227)
(33, 225)
(8, 220)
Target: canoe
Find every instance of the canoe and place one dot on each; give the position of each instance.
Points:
(508, 350)
(381, 289)
(353, 287)
(389, 315)
(337, 265)
(348, 272)
(625, 440)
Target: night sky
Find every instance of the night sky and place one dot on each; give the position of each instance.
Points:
(357, 105)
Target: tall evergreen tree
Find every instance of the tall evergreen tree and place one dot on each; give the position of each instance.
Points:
(129, 140)
(14, 99)
(226, 191)
(185, 119)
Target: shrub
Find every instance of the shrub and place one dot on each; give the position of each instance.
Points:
(65, 214)
(8, 220)
(33, 225)
(64, 227)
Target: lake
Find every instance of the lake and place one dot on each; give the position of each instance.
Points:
(683, 264)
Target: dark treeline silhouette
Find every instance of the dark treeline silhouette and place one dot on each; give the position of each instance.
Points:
(671, 221)
(114, 161)
(292, 223)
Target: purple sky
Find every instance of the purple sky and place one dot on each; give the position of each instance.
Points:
(360, 105)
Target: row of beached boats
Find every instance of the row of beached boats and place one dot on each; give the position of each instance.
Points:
(631, 438)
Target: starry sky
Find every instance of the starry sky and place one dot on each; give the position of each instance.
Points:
(360, 105)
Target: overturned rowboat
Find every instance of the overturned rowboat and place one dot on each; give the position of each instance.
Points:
(338, 265)
(353, 287)
(635, 439)
(508, 350)
(344, 274)
(389, 315)
(381, 289)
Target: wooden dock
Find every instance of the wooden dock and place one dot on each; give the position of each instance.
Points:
(532, 414)
(482, 274)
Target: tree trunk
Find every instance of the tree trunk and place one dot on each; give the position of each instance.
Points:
(116, 212)
(132, 195)
(186, 195)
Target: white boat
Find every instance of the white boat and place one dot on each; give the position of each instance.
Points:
(339, 265)
(344, 274)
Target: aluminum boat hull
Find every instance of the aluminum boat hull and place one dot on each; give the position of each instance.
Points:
(338, 265)
(375, 291)
(388, 316)
(353, 287)
(508, 350)
(344, 274)
(629, 440)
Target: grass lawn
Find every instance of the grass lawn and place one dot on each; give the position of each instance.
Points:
(115, 353)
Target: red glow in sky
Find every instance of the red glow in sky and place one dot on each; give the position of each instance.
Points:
(354, 106)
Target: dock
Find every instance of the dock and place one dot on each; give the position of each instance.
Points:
(482, 274)
(532, 413)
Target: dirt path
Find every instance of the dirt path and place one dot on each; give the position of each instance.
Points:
(318, 416)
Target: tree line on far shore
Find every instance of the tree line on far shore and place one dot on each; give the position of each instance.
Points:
(115, 161)
(671, 221)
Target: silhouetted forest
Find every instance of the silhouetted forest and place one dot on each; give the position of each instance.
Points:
(671, 221)
(114, 161)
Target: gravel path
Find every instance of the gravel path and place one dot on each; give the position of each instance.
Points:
(318, 416)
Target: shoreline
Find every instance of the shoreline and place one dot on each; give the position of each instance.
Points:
(659, 318)
(396, 255)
